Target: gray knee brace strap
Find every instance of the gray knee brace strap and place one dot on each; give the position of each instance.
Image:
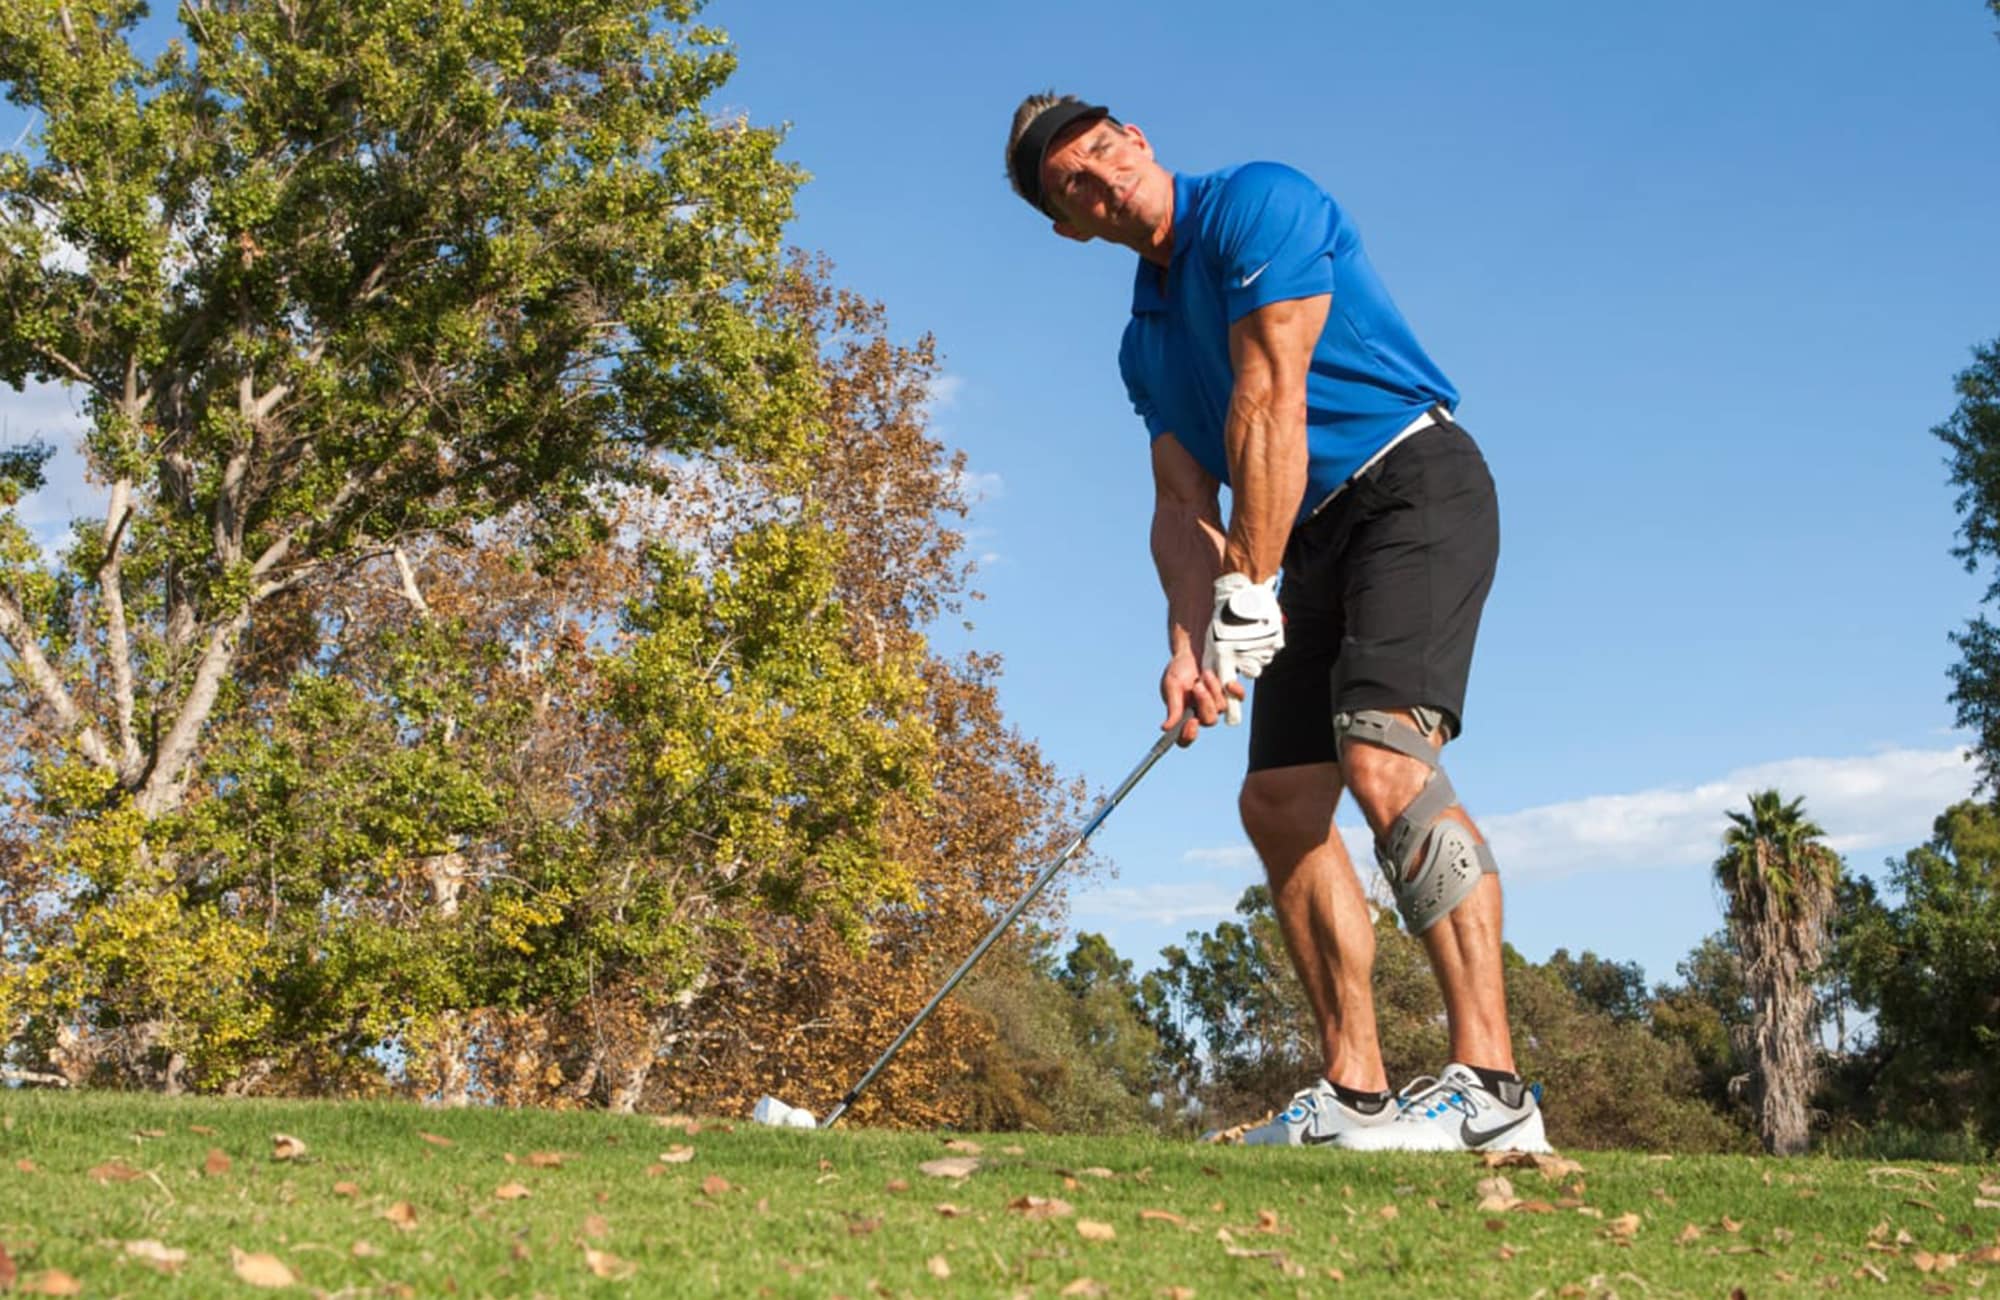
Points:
(1432, 861)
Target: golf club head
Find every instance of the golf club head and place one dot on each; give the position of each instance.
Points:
(776, 1114)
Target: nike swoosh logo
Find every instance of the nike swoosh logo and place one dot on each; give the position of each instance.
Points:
(1320, 1139)
(1251, 278)
(1234, 619)
(1473, 1137)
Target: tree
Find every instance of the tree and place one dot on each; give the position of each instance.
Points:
(1929, 968)
(1709, 1013)
(1778, 884)
(1973, 435)
(1615, 988)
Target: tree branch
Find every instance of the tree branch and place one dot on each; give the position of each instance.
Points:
(117, 638)
(167, 782)
(35, 667)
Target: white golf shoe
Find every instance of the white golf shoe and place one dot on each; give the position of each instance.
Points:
(1457, 1112)
(1315, 1117)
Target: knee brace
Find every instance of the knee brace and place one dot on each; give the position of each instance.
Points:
(1432, 861)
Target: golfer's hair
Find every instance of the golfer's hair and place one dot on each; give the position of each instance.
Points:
(1030, 109)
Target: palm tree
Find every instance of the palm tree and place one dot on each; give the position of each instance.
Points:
(1778, 883)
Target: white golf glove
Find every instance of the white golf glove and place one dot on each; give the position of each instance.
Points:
(1246, 632)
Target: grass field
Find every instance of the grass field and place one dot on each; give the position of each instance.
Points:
(105, 1195)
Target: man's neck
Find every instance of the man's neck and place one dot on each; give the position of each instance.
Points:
(1158, 247)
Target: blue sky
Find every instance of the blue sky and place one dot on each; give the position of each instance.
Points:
(1703, 275)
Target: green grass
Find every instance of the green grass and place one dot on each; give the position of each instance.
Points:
(849, 1212)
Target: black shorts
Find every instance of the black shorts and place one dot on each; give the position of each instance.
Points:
(1382, 592)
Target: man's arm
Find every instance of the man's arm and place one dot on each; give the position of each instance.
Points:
(1187, 550)
(1270, 350)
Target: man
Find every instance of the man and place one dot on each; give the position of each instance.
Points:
(1264, 354)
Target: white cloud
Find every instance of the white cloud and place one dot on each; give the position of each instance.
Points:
(1165, 904)
(945, 390)
(1878, 803)
(979, 486)
(1872, 805)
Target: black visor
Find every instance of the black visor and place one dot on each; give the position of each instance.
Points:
(1032, 149)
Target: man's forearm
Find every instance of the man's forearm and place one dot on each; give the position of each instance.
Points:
(1265, 440)
(1187, 552)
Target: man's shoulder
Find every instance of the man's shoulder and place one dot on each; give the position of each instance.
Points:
(1256, 184)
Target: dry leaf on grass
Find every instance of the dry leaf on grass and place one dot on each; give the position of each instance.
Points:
(1730, 1225)
(203, 1129)
(1092, 1230)
(436, 1140)
(545, 1159)
(863, 1226)
(596, 1227)
(1689, 1233)
(114, 1171)
(607, 1265)
(7, 1270)
(259, 1269)
(1180, 1292)
(676, 1155)
(1625, 1225)
(1041, 1207)
(402, 1214)
(25, 1166)
(949, 1211)
(961, 1146)
(50, 1281)
(714, 1185)
(895, 1186)
(949, 1167)
(157, 1253)
(511, 1192)
(938, 1267)
(1389, 1212)
(144, 1133)
(1087, 1287)
(365, 1250)
(347, 1189)
(286, 1147)
(1162, 1216)
(217, 1164)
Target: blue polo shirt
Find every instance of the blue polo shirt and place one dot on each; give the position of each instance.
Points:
(1245, 237)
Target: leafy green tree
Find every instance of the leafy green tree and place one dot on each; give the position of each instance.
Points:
(1972, 433)
(1709, 1013)
(332, 283)
(1617, 989)
(1778, 882)
(1928, 966)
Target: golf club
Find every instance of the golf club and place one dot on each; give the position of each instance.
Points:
(772, 1111)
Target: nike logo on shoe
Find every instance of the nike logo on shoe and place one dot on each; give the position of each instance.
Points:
(1476, 1138)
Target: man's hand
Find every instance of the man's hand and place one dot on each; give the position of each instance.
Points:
(1246, 633)
(1193, 698)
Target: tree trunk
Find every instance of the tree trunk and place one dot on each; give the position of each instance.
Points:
(1783, 1038)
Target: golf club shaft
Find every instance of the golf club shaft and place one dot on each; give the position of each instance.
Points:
(1153, 755)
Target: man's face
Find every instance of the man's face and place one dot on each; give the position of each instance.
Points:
(1104, 181)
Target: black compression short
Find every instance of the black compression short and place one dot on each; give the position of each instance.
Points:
(1382, 592)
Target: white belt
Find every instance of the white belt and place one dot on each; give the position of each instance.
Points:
(1426, 420)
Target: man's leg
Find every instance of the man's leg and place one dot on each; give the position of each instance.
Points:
(1464, 946)
(1322, 912)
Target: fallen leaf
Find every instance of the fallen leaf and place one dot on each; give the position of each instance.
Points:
(605, 1264)
(949, 1167)
(1689, 1233)
(1013, 1151)
(519, 1252)
(963, 1147)
(714, 1185)
(1625, 1225)
(895, 1186)
(365, 1250)
(149, 1133)
(1730, 1225)
(1388, 1212)
(259, 1269)
(7, 1270)
(402, 1214)
(347, 1189)
(1097, 1171)
(203, 1129)
(25, 1166)
(938, 1267)
(1041, 1207)
(286, 1147)
(158, 1254)
(511, 1192)
(1985, 1255)
(949, 1210)
(435, 1140)
(596, 1226)
(217, 1164)
(114, 1171)
(545, 1159)
(50, 1281)
(1092, 1230)
(1162, 1216)
(676, 1155)
(1499, 1186)
(1187, 1292)
(863, 1227)
(1084, 1286)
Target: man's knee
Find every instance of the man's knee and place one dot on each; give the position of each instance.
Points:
(1284, 806)
(1423, 842)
